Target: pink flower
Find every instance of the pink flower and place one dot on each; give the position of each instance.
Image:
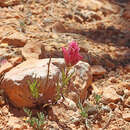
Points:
(72, 55)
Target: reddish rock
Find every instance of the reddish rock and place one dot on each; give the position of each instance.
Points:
(58, 28)
(15, 60)
(16, 39)
(15, 83)
(98, 70)
(2, 101)
(127, 67)
(110, 95)
(126, 14)
(112, 105)
(5, 3)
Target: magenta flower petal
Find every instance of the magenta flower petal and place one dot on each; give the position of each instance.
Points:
(72, 55)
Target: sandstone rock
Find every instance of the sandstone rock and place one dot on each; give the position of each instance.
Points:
(112, 105)
(110, 95)
(5, 3)
(127, 92)
(51, 125)
(58, 28)
(16, 39)
(119, 90)
(15, 60)
(32, 50)
(10, 16)
(16, 87)
(126, 116)
(3, 51)
(2, 102)
(67, 118)
(127, 102)
(6, 66)
(70, 104)
(122, 53)
(15, 123)
(96, 5)
(125, 85)
(98, 70)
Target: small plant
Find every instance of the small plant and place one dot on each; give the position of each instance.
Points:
(97, 98)
(90, 109)
(71, 57)
(35, 122)
(34, 88)
(84, 110)
(61, 87)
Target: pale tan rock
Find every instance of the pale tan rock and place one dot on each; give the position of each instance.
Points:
(70, 104)
(5, 67)
(14, 122)
(52, 124)
(126, 116)
(119, 89)
(10, 16)
(16, 87)
(5, 3)
(110, 95)
(96, 5)
(98, 70)
(127, 102)
(125, 85)
(67, 116)
(32, 50)
(127, 92)
(3, 51)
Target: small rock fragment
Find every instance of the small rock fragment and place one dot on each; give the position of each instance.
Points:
(16, 60)
(5, 3)
(127, 67)
(126, 116)
(31, 50)
(16, 39)
(127, 102)
(126, 14)
(58, 28)
(70, 104)
(110, 95)
(98, 70)
(5, 67)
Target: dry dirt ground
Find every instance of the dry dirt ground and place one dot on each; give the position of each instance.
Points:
(39, 28)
